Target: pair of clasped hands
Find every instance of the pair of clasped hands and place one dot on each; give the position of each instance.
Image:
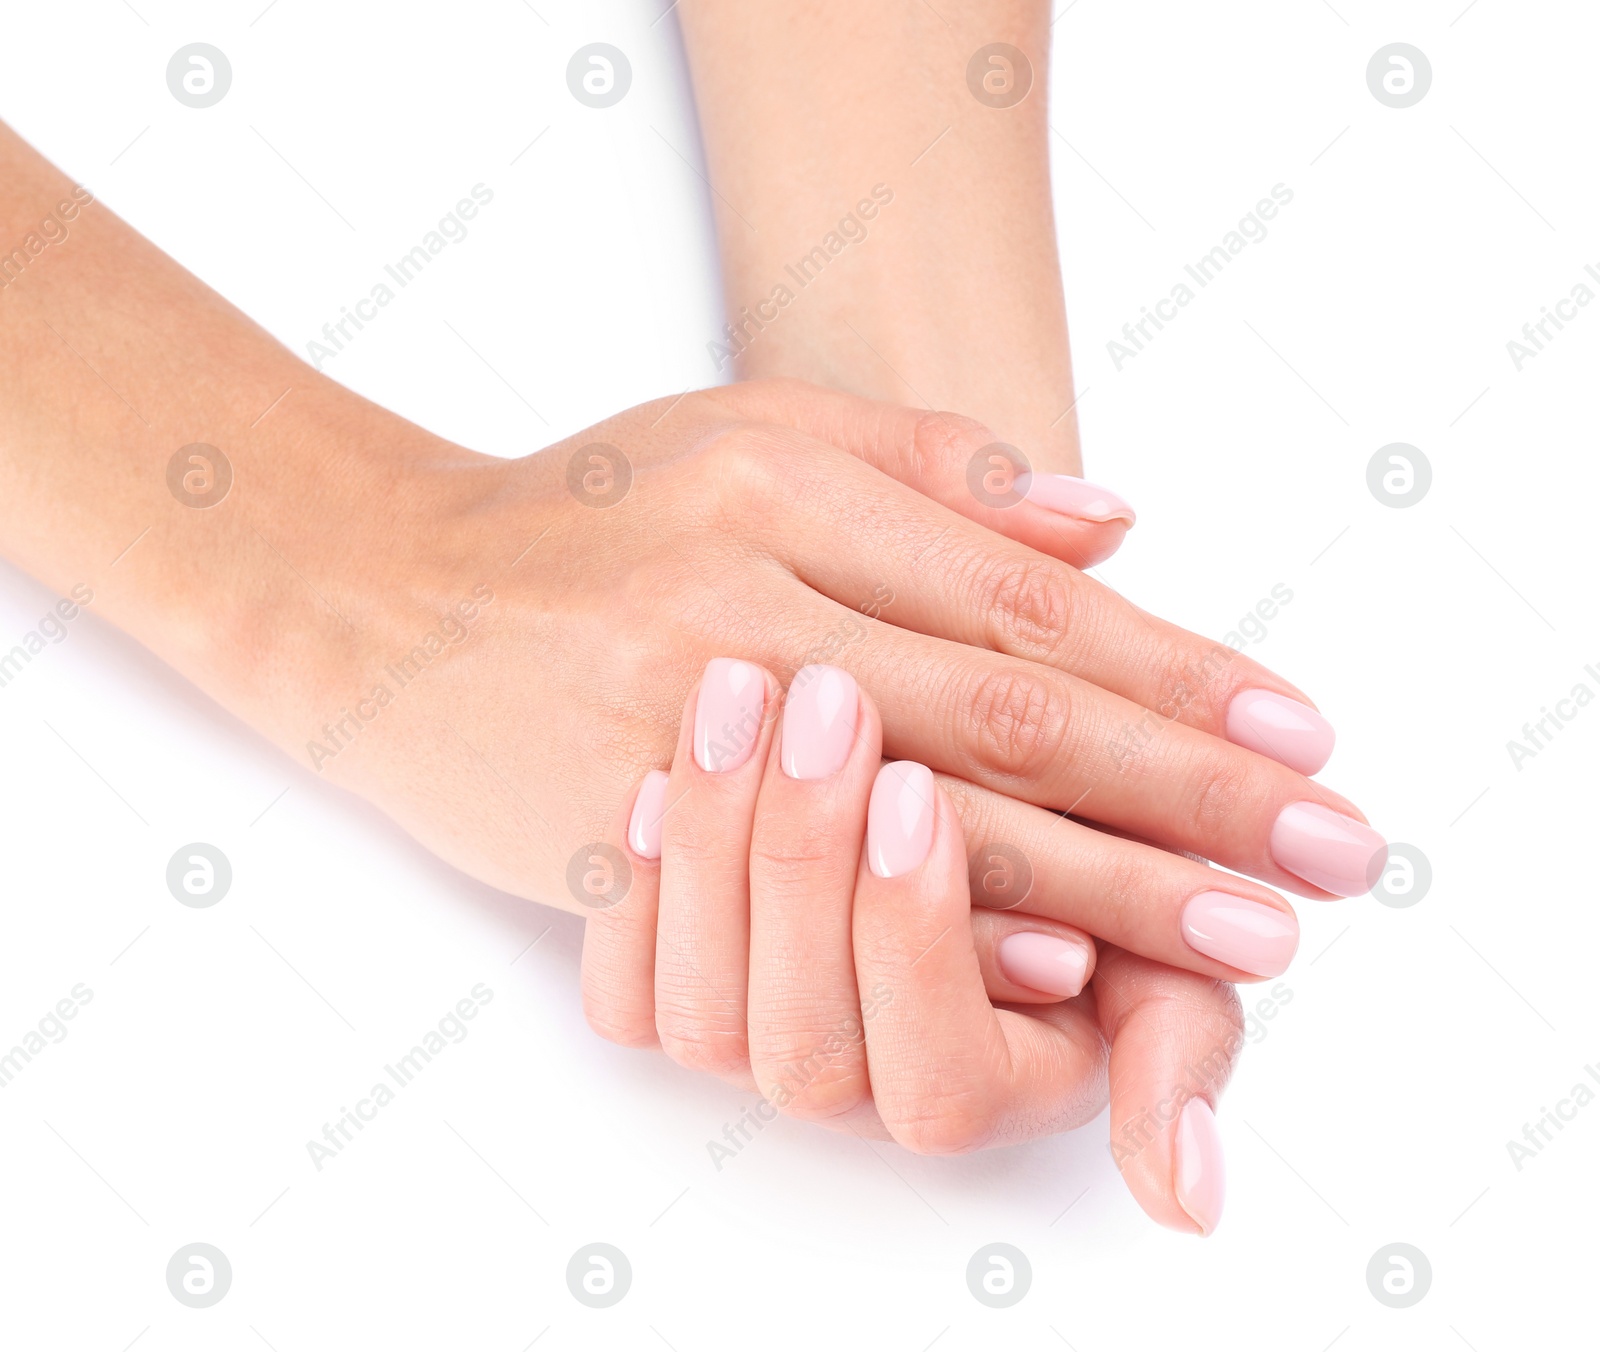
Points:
(823, 897)
(913, 808)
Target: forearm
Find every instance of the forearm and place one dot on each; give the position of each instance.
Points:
(950, 296)
(113, 359)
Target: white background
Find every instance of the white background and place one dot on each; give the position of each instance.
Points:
(1374, 1108)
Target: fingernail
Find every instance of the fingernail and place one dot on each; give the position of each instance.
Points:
(727, 716)
(819, 722)
(900, 818)
(649, 807)
(1044, 962)
(1328, 849)
(1244, 934)
(1292, 733)
(1071, 496)
(1198, 1177)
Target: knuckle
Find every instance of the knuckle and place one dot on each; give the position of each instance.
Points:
(1224, 790)
(622, 1027)
(942, 443)
(942, 1125)
(810, 1078)
(1028, 605)
(1019, 721)
(697, 1044)
(746, 463)
(1189, 687)
(790, 866)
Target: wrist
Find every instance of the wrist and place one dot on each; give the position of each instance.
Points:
(300, 591)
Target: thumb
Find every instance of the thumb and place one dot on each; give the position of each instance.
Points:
(1174, 1037)
(954, 460)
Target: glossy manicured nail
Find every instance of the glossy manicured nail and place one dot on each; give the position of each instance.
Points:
(1292, 733)
(649, 807)
(1198, 1177)
(1072, 496)
(727, 716)
(819, 722)
(900, 818)
(1043, 962)
(1244, 934)
(1328, 849)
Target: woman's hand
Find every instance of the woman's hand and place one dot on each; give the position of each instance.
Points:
(603, 574)
(781, 934)
(784, 935)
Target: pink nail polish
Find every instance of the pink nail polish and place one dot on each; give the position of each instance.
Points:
(727, 716)
(1071, 496)
(1328, 849)
(1292, 733)
(1198, 1177)
(900, 818)
(649, 807)
(1242, 933)
(1043, 962)
(819, 722)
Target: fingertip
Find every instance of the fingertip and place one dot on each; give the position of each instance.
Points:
(1199, 1176)
(649, 810)
(1095, 543)
(1051, 964)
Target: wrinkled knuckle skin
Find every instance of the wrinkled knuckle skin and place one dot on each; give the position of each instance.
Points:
(807, 1080)
(1019, 722)
(1193, 686)
(693, 1045)
(941, 1126)
(1027, 604)
(1224, 797)
(942, 443)
(619, 1027)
